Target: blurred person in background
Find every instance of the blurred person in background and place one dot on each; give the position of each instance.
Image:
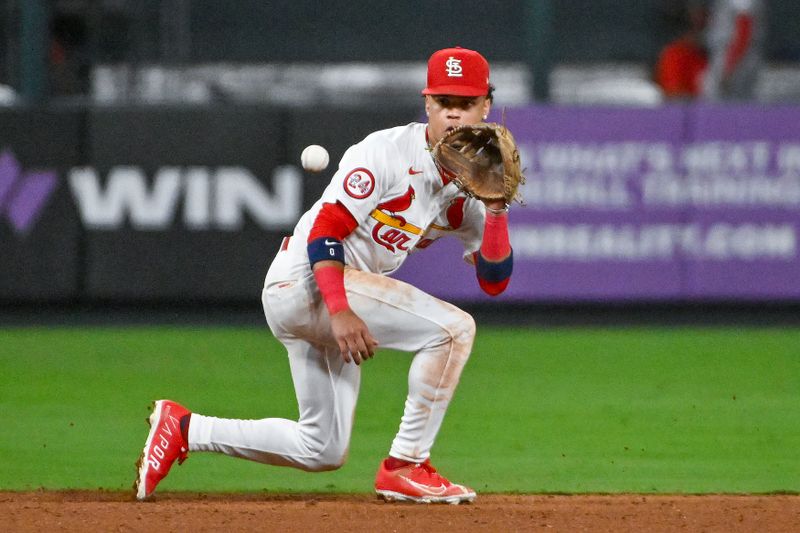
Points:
(683, 61)
(68, 59)
(735, 39)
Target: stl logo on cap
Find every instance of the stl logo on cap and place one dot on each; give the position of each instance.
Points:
(453, 66)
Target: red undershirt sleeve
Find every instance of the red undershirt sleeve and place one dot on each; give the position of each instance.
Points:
(333, 220)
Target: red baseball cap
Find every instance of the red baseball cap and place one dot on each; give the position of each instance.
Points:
(457, 71)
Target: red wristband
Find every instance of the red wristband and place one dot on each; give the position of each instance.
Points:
(330, 280)
(495, 245)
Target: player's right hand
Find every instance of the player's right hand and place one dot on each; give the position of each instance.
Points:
(353, 337)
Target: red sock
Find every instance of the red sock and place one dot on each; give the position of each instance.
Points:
(184, 423)
(393, 463)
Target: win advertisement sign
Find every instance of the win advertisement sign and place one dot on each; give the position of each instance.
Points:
(160, 205)
(209, 198)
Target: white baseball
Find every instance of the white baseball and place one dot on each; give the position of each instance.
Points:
(314, 158)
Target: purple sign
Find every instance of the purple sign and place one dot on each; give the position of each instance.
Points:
(678, 202)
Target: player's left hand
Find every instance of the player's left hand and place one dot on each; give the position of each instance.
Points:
(353, 337)
(483, 160)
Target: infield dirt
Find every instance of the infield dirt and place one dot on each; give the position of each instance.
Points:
(118, 511)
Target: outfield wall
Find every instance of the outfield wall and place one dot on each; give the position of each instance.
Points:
(681, 203)
(686, 203)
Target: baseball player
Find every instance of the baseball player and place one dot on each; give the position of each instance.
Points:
(736, 36)
(328, 299)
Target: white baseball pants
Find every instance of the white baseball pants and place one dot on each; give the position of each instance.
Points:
(400, 317)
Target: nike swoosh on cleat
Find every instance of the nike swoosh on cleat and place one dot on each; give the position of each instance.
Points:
(433, 491)
(411, 171)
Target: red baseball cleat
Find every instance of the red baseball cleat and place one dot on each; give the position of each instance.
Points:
(419, 483)
(166, 442)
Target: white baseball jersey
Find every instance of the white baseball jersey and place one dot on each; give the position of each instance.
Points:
(392, 187)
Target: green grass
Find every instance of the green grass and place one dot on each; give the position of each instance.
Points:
(557, 410)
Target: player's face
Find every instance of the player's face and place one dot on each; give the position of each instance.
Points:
(446, 112)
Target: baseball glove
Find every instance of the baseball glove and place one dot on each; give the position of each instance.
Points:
(483, 160)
